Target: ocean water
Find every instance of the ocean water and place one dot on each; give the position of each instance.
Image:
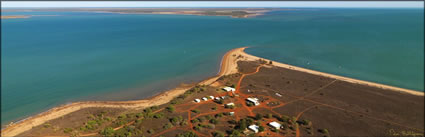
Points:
(52, 60)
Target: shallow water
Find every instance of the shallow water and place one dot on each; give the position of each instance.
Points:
(52, 60)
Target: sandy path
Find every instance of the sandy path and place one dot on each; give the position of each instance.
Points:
(228, 66)
(356, 81)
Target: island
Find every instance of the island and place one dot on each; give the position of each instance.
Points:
(250, 96)
(232, 12)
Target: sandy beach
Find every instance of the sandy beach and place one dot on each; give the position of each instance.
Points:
(413, 92)
(228, 66)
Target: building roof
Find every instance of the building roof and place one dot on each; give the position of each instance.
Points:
(229, 89)
(253, 100)
(230, 104)
(254, 128)
(197, 100)
(275, 124)
(204, 98)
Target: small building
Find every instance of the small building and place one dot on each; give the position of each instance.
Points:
(223, 97)
(211, 97)
(277, 94)
(275, 125)
(253, 100)
(197, 100)
(217, 98)
(230, 104)
(204, 98)
(254, 128)
(231, 113)
(228, 89)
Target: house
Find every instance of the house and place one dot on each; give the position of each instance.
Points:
(232, 113)
(228, 89)
(197, 100)
(274, 125)
(277, 94)
(204, 98)
(254, 128)
(211, 97)
(230, 104)
(253, 100)
(223, 97)
(217, 98)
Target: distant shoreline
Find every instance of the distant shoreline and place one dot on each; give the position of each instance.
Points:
(228, 66)
(15, 16)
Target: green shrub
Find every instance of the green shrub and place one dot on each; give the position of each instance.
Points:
(67, 130)
(171, 108)
(108, 131)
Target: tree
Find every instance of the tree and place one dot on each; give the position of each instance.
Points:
(171, 108)
(214, 121)
(269, 115)
(108, 131)
(261, 128)
(258, 116)
(187, 134)
(218, 134)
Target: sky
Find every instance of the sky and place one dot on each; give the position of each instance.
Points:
(337, 4)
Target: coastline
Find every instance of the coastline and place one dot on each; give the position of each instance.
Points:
(342, 78)
(228, 65)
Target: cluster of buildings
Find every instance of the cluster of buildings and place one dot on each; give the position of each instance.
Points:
(209, 97)
(256, 128)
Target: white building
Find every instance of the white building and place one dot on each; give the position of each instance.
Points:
(254, 128)
(204, 98)
(230, 104)
(277, 94)
(232, 113)
(197, 100)
(228, 89)
(253, 100)
(275, 125)
(211, 97)
(217, 98)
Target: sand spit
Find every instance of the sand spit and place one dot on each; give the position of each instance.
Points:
(228, 66)
(356, 81)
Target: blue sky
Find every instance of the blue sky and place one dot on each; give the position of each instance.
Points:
(367, 4)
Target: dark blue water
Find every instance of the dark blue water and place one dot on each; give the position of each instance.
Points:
(52, 60)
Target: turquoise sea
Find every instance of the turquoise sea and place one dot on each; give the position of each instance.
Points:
(52, 60)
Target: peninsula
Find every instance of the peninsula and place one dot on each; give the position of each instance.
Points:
(249, 96)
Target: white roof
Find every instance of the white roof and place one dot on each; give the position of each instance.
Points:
(254, 128)
(253, 100)
(229, 89)
(230, 104)
(204, 98)
(197, 100)
(275, 124)
(211, 97)
(231, 113)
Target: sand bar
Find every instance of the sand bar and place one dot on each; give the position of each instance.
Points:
(351, 80)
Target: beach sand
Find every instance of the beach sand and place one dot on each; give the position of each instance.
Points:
(228, 66)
